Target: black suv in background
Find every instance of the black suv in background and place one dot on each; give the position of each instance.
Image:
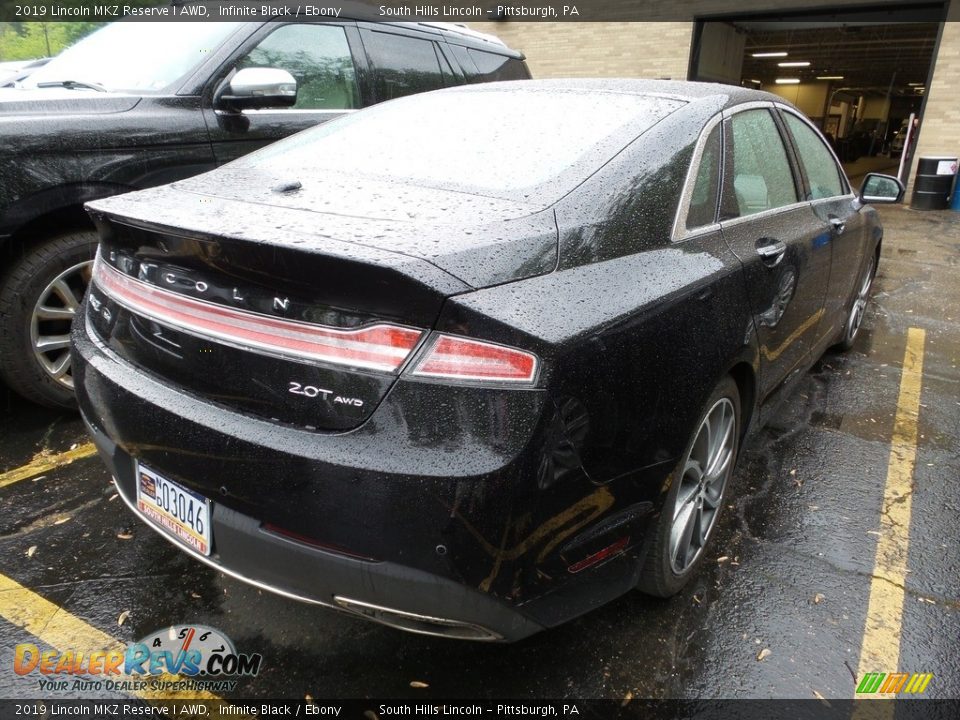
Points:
(139, 104)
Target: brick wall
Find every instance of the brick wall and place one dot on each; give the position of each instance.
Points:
(599, 49)
(940, 132)
(662, 50)
(633, 49)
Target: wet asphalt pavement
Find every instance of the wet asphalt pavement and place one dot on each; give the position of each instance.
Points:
(790, 573)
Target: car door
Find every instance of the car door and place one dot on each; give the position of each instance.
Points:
(327, 61)
(838, 212)
(777, 237)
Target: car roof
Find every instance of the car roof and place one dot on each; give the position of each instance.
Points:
(724, 96)
(459, 29)
(456, 32)
(459, 34)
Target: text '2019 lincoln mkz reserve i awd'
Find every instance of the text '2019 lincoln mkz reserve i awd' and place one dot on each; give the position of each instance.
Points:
(474, 362)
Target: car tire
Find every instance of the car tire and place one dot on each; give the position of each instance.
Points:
(858, 307)
(695, 499)
(38, 297)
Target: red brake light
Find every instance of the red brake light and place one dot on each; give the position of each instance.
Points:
(378, 347)
(458, 358)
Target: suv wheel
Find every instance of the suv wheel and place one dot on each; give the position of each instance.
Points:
(38, 298)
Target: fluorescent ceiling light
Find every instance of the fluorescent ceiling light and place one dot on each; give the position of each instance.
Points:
(787, 81)
(755, 82)
(794, 64)
(829, 77)
(769, 54)
(915, 84)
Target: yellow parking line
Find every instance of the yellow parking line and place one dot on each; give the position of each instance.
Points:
(48, 621)
(44, 462)
(56, 627)
(880, 651)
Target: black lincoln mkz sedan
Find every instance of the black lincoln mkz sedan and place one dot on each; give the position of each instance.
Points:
(474, 362)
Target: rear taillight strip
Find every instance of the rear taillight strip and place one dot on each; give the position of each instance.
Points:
(379, 347)
(458, 358)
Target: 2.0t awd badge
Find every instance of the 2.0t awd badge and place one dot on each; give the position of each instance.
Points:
(313, 391)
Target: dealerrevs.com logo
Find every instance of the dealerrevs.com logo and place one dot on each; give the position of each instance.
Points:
(203, 658)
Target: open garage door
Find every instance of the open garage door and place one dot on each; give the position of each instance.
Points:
(859, 75)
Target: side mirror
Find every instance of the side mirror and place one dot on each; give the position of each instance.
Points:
(879, 188)
(260, 88)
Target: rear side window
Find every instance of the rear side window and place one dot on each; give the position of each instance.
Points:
(703, 200)
(402, 65)
(759, 176)
(493, 67)
(818, 163)
(318, 56)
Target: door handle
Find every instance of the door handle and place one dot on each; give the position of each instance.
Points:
(771, 250)
(838, 225)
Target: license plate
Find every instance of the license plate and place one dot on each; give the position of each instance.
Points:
(180, 512)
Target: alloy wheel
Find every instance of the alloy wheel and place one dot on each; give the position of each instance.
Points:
(859, 308)
(702, 482)
(51, 318)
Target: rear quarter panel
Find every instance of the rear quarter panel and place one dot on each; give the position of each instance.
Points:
(634, 332)
(631, 347)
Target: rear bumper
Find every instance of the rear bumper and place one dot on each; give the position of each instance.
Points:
(248, 553)
(394, 594)
(439, 510)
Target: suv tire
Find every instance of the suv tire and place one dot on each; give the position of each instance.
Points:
(38, 298)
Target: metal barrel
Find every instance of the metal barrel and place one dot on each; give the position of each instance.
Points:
(933, 183)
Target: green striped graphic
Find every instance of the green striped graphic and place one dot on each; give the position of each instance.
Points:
(895, 682)
(871, 682)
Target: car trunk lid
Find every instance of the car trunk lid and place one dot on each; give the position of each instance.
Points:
(481, 240)
(279, 312)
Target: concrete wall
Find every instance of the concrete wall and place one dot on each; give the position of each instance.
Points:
(876, 107)
(721, 53)
(809, 97)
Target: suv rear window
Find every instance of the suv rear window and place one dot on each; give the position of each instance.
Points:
(494, 67)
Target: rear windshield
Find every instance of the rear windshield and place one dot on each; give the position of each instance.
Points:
(510, 143)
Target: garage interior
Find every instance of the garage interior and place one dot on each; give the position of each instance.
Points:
(858, 77)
